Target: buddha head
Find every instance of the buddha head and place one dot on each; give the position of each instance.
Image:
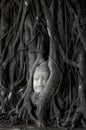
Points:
(40, 77)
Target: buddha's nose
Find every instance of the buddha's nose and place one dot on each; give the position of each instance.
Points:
(40, 83)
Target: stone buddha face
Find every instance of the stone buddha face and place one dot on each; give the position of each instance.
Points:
(40, 77)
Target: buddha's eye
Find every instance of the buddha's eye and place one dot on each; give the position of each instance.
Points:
(45, 77)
